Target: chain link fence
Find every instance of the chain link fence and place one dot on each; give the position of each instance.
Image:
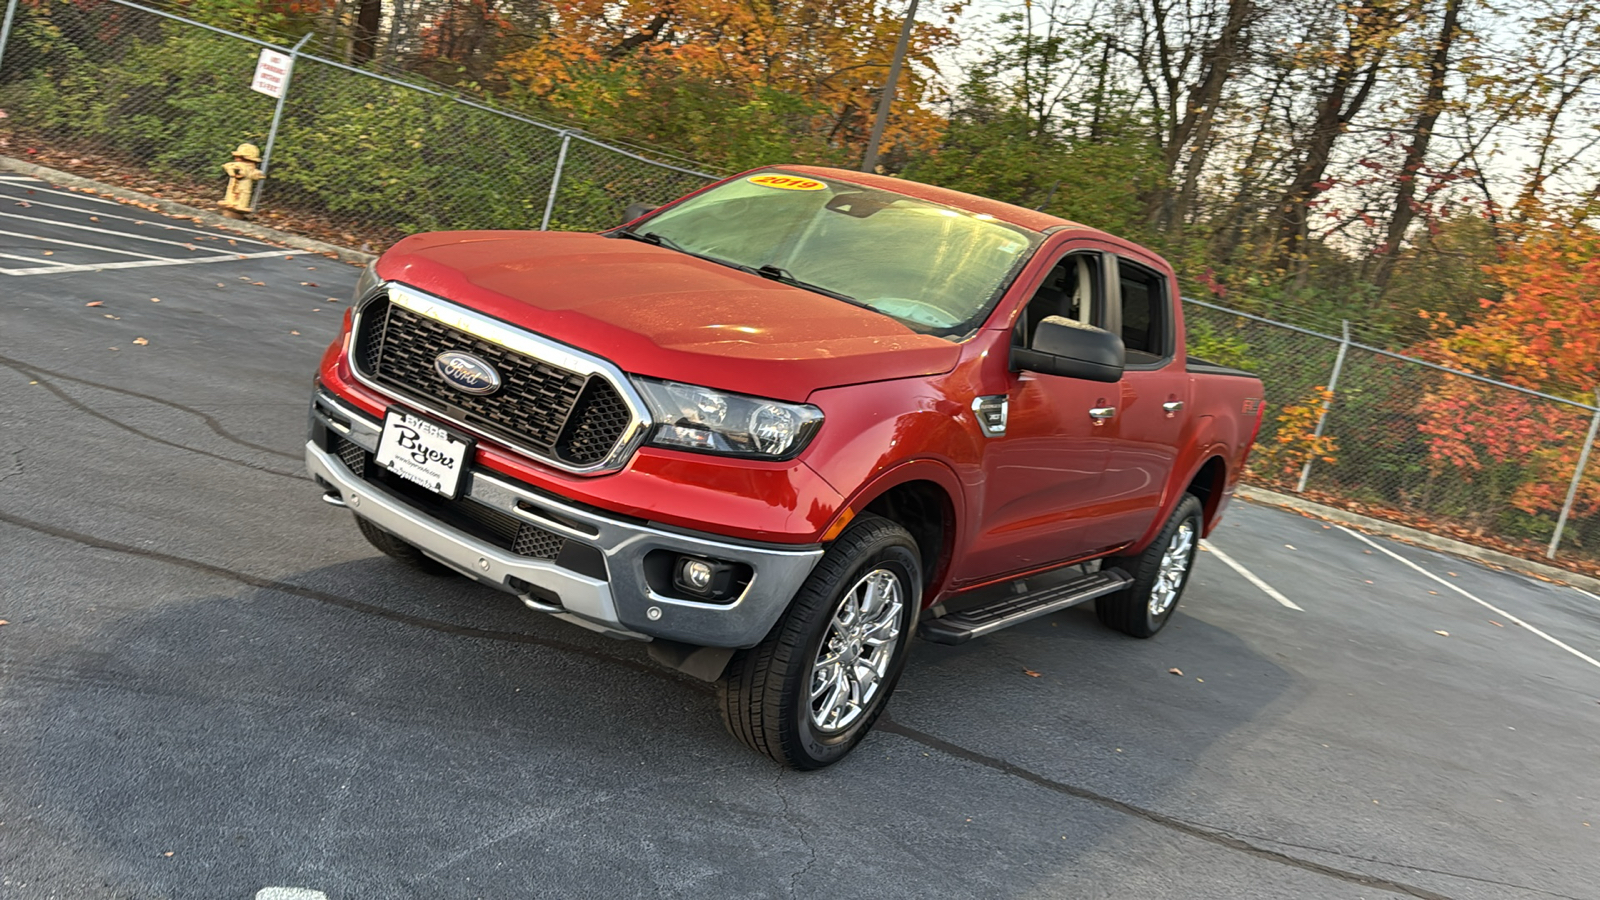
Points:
(1451, 451)
(367, 156)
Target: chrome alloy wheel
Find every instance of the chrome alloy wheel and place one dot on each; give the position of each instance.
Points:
(1174, 566)
(856, 651)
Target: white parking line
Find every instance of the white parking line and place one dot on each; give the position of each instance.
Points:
(1586, 593)
(46, 262)
(1484, 603)
(147, 264)
(187, 245)
(1249, 576)
(35, 237)
(79, 194)
(105, 215)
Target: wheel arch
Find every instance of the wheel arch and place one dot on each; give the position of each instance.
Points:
(920, 496)
(1209, 483)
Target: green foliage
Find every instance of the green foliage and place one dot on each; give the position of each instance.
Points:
(1220, 345)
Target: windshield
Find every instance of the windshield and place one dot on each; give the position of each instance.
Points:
(934, 268)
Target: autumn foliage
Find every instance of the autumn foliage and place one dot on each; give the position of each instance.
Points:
(715, 78)
(1543, 334)
(1294, 442)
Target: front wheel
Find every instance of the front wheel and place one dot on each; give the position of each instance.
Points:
(809, 692)
(1160, 574)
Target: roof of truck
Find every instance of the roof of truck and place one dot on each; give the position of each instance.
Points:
(1006, 212)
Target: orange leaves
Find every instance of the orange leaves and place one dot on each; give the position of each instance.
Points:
(1543, 334)
(1294, 442)
(619, 59)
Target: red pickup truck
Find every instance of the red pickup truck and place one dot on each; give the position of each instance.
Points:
(779, 425)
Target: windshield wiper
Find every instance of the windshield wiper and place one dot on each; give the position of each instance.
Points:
(652, 237)
(782, 275)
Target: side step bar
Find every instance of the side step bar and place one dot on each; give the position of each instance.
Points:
(963, 626)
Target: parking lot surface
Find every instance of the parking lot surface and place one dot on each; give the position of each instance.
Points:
(211, 686)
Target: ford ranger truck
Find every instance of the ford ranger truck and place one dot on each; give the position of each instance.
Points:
(780, 425)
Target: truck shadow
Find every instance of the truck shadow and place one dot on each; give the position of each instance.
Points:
(368, 732)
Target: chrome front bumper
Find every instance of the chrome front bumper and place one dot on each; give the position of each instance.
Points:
(622, 604)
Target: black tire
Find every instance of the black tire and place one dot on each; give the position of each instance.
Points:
(765, 692)
(1129, 610)
(393, 546)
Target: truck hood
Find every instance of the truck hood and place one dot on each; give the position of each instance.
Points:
(664, 314)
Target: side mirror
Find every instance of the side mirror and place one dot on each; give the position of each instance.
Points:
(1064, 347)
(635, 210)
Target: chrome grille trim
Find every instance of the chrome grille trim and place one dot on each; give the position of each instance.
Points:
(528, 344)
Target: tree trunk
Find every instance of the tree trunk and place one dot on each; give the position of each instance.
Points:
(1357, 69)
(369, 15)
(1200, 115)
(1417, 153)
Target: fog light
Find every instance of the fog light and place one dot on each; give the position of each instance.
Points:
(696, 574)
(702, 578)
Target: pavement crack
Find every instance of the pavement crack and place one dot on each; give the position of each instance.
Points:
(84, 408)
(211, 421)
(16, 466)
(800, 832)
(1172, 823)
(352, 604)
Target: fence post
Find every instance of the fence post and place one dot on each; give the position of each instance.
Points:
(555, 182)
(277, 116)
(1333, 385)
(5, 30)
(1577, 477)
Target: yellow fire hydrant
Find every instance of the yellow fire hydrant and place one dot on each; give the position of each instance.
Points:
(242, 176)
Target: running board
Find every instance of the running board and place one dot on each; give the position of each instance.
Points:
(963, 626)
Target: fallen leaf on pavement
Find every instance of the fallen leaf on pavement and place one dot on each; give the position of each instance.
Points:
(309, 283)
(110, 316)
(1175, 671)
(4, 622)
(1494, 623)
(95, 303)
(294, 332)
(1442, 633)
(140, 341)
(155, 299)
(259, 283)
(1030, 673)
(1290, 546)
(49, 253)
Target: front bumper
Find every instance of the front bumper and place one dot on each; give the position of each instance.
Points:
(615, 597)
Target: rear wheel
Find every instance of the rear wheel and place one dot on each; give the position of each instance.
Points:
(1160, 574)
(397, 548)
(809, 692)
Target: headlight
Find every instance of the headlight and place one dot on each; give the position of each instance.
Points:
(369, 279)
(696, 418)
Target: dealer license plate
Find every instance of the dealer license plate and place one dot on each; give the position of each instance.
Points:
(423, 452)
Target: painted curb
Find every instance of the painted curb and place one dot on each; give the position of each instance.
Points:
(1420, 538)
(206, 216)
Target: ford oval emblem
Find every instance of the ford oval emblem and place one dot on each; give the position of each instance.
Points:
(466, 372)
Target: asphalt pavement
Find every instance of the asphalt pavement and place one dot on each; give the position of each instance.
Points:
(212, 687)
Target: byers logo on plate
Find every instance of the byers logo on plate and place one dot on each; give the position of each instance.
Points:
(466, 372)
(787, 182)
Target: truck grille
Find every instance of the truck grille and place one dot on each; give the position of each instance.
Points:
(569, 417)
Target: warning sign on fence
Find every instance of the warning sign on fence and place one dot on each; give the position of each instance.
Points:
(272, 71)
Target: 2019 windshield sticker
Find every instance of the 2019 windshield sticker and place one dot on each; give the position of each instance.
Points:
(787, 182)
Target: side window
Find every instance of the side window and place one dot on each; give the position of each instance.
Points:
(1071, 290)
(1144, 313)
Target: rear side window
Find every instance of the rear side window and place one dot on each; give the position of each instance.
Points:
(1144, 313)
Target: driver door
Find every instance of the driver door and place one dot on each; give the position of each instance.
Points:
(1042, 491)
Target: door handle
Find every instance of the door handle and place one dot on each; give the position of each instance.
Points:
(1172, 406)
(1102, 413)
